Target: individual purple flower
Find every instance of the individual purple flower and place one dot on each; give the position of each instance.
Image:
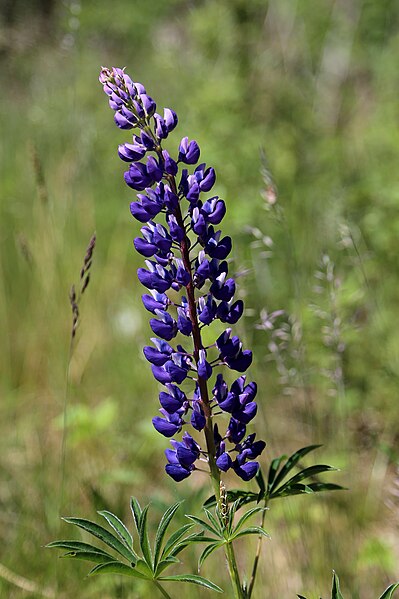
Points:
(168, 426)
(174, 400)
(155, 301)
(131, 152)
(159, 354)
(189, 151)
(181, 459)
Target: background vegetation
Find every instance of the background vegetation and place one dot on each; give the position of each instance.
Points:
(311, 85)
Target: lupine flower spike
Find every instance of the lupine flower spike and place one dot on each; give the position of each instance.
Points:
(186, 273)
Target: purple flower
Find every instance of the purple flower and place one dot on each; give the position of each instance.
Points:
(189, 151)
(185, 254)
(168, 426)
(131, 152)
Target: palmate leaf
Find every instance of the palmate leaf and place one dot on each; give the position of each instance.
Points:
(162, 528)
(193, 579)
(104, 535)
(390, 591)
(144, 567)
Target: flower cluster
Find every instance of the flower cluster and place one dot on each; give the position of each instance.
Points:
(186, 273)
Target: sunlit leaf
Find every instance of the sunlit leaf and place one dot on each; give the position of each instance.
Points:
(118, 527)
(164, 563)
(143, 536)
(204, 524)
(194, 538)
(76, 546)
(252, 530)
(209, 549)
(136, 511)
(390, 591)
(117, 568)
(297, 489)
(194, 579)
(217, 525)
(104, 535)
(246, 517)
(90, 556)
(175, 538)
(162, 528)
(335, 592)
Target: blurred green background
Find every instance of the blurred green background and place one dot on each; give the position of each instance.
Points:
(309, 86)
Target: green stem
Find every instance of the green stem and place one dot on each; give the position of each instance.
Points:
(205, 401)
(162, 590)
(233, 570)
(257, 556)
(202, 383)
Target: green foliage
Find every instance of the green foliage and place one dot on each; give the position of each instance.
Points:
(150, 565)
(318, 90)
(277, 486)
(221, 525)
